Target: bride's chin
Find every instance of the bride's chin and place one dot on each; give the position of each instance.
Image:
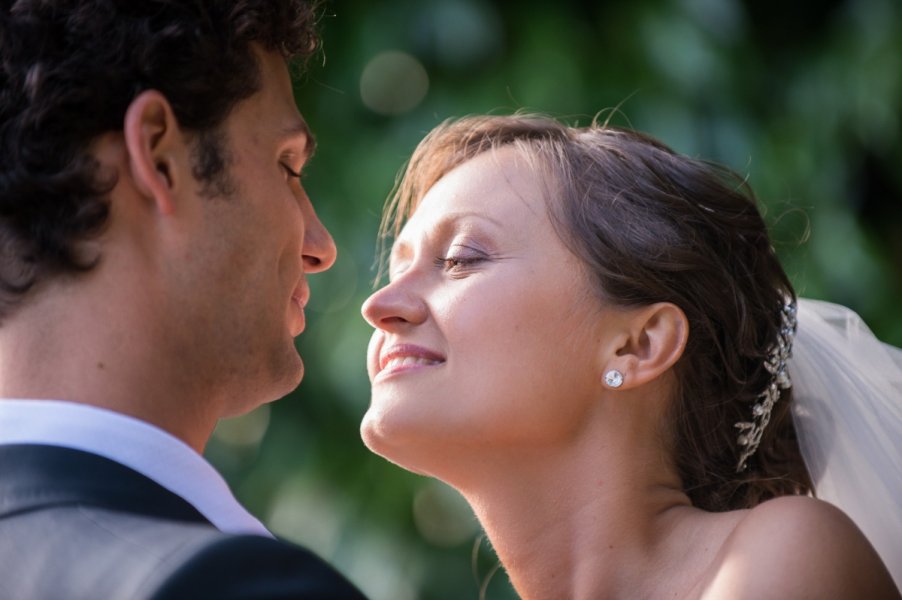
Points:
(392, 443)
(372, 434)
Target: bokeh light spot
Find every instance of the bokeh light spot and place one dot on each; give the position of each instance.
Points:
(393, 82)
(246, 431)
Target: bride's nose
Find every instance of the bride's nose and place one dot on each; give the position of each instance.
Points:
(394, 307)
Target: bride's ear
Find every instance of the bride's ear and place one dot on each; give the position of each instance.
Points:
(653, 339)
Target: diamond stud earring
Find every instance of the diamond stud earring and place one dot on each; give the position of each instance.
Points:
(613, 378)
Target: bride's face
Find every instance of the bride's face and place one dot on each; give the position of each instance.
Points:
(487, 334)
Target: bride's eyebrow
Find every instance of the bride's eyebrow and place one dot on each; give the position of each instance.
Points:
(455, 217)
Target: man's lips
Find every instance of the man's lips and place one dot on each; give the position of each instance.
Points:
(405, 356)
(301, 295)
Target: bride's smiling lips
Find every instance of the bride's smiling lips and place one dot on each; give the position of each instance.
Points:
(406, 357)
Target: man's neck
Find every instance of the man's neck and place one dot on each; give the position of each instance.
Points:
(63, 344)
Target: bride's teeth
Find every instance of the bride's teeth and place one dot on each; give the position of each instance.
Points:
(403, 361)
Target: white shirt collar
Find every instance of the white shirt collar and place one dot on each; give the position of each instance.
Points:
(136, 444)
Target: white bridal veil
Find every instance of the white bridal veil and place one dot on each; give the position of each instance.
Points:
(847, 391)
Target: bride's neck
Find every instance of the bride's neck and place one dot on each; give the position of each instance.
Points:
(580, 521)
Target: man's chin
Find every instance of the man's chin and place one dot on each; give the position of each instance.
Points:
(294, 372)
(283, 378)
(289, 378)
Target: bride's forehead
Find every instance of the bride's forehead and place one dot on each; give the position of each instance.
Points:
(441, 162)
(486, 183)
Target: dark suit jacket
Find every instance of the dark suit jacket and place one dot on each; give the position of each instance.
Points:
(74, 525)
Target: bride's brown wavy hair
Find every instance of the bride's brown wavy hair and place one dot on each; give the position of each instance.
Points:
(652, 226)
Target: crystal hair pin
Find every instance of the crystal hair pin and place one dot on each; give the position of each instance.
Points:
(751, 431)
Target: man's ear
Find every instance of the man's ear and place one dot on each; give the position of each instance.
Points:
(158, 152)
(653, 339)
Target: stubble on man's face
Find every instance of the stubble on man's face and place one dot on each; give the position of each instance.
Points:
(211, 165)
(249, 251)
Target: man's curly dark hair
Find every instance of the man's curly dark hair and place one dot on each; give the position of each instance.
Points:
(68, 72)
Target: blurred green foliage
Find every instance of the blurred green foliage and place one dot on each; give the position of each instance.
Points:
(804, 98)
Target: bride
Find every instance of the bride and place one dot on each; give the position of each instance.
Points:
(590, 337)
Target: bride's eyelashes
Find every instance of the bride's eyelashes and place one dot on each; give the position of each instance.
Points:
(452, 263)
(462, 261)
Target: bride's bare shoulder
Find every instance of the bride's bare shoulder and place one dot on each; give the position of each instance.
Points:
(798, 547)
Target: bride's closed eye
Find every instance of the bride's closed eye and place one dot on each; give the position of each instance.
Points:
(461, 260)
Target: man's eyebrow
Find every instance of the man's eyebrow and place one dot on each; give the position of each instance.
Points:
(300, 128)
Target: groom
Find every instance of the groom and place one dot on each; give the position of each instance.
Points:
(155, 243)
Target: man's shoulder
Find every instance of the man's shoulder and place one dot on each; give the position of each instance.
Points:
(251, 566)
(97, 552)
(87, 551)
(190, 560)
